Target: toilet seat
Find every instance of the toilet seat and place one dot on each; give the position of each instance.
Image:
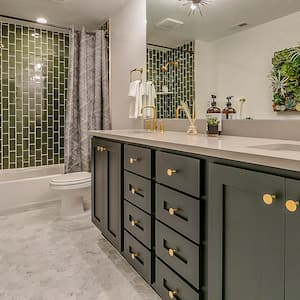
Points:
(72, 181)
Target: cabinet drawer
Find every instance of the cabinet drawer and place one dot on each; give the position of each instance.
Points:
(137, 223)
(138, 256)
(179, 253)
(137, 160)
(179, 172)
(137, 190)
(170, 286)
(178, 211)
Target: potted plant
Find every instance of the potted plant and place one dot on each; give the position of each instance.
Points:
(213, 126)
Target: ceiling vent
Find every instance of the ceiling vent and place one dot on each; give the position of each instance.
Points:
(240, 26)
(169, 24)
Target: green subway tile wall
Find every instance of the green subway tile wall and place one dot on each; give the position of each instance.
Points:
(180, 80)
(33, 89)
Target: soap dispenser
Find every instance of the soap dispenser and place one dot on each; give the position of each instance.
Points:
(214, 118)
(213, 109)
(229, 112)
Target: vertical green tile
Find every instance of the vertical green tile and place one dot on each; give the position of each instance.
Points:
(32, 97)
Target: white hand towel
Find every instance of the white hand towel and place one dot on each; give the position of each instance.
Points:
(135, 99)
(149, 93)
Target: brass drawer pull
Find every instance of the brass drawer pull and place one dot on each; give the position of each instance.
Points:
(101, 149)
(171, 252)
(292, 205)
(134, 190)
(133, 160)
(172, 211)
(171, 172)
(268, 199)
(134, 255)
(172, 294)
(133, 223)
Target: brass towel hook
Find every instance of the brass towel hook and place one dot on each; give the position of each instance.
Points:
(140, 70)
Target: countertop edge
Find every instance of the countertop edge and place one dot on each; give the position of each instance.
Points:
(275, 162)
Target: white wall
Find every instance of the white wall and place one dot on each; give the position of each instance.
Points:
(128, 51)
(205, 84)
(240, 64)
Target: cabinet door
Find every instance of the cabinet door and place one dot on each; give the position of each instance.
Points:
(245, 235)
(107, 173)
(292, 258)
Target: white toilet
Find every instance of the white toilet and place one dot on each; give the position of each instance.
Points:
(74, 190)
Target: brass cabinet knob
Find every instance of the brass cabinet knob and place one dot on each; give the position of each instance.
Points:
(268, 199)
(101, 149)
(172, 252)
(133, 223)
(172, 294)
(171, 172)
(134, 255)
(172, 211)
(134, 190)
(132, 160)
(292, 205)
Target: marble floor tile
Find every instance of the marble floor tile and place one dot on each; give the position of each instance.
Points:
(45, 258)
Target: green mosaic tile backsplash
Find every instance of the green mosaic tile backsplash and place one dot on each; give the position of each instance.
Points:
(33, 89)
(180, 80)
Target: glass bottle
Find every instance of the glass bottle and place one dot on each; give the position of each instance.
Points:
(229, 112)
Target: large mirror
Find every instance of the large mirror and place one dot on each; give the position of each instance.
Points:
(246, 49)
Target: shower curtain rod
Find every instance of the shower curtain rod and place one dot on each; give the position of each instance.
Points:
(169, 48)
(50, 25)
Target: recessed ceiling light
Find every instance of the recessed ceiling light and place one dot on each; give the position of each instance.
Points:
(42, 20)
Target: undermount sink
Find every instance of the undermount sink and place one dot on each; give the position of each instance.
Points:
(278, 147)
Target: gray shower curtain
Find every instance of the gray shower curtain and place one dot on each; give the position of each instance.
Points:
(87, 104)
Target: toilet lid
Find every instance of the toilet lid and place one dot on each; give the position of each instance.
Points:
(72, 178)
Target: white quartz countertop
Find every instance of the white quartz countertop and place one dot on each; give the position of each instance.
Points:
(226, 147)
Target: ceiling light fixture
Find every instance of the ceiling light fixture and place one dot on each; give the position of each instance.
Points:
(195, 6)
(42, 20)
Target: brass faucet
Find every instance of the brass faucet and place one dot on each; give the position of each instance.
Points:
(154, 122)
(179, 108)
(192, 130)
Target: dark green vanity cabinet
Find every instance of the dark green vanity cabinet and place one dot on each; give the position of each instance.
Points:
(138, 210)
(178, 236)
(292, 242)
(107, 189)
(253, 248)
(196, 227)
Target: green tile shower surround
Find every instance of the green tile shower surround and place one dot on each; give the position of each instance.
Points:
(33, 89)
(180, 80)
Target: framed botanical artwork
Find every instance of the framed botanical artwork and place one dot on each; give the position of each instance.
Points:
(286, 80)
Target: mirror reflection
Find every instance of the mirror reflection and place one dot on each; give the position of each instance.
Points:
(243, 54)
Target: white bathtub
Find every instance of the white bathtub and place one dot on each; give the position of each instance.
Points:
(21, 188)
